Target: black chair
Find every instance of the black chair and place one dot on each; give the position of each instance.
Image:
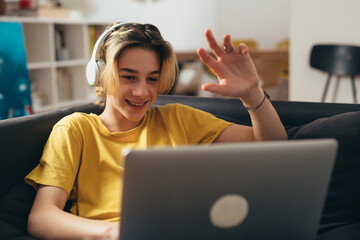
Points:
(338, 60)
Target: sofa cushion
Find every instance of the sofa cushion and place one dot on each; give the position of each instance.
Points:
(233, 120)
(14, 211)
(348, 232)
(342, 205)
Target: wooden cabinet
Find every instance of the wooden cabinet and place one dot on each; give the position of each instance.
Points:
(57, 53)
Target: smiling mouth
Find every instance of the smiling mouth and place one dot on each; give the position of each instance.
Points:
(136, 104)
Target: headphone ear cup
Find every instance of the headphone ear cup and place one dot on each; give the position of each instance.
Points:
(101, 67)
(94, 70)
(95, 66)
(91, 72)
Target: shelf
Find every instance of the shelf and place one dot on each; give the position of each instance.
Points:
(38, 48)
(69, 38)
(57, 52)
(71, 63)
(40, 109)
(39, 65)
(72, 103)
(51, 20)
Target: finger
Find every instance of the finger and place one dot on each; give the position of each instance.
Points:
(243, 49)
(214, 46)
(206, 58)
(227, 43)
(213, 88)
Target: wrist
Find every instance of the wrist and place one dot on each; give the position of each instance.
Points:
(104, 230)
(255, 99)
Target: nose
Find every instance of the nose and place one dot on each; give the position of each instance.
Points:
(141, 89)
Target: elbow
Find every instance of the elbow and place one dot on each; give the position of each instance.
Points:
(275, 136)
(35, 226)
(279, 135)
(32, 225)
(286, 137)
(282, 137)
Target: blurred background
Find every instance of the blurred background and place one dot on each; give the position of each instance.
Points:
(280, 34)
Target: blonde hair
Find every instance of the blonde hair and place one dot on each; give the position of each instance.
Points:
(131, 35)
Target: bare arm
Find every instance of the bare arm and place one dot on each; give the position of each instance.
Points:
(238, 78)
(47, 220)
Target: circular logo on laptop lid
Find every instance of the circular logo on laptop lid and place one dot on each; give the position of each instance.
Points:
(229, 211)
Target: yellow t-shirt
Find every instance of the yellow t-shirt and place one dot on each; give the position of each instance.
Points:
(82, 157)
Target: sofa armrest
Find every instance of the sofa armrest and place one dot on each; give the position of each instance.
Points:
(22, 140)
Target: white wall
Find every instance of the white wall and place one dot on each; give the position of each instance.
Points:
(183, 22)
(306, 22)
(320, 21)
(266, 21)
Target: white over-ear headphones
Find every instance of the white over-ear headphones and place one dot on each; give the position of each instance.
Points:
(96, 65)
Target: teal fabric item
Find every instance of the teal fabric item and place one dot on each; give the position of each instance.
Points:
(15, 97)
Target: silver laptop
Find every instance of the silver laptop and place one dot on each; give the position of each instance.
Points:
(267, 190)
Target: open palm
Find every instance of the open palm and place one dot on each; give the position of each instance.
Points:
(234, 69)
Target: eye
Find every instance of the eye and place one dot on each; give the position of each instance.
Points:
(152, 79)
(128, 77)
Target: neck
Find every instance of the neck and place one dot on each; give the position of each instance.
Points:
(115, 122)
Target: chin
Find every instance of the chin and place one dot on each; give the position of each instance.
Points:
(135, 118)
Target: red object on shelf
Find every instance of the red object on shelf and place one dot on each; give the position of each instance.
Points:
(2, 7)
(24, 4)
(28, 110)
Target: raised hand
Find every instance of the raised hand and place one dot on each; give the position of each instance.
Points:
(234, 69)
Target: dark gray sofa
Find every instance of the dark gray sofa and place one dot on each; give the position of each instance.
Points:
(22, 140)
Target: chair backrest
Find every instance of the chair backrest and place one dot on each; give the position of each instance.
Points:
(336, 59)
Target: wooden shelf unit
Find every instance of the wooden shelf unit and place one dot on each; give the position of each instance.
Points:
(46, 68)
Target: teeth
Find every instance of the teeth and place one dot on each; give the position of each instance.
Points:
(136, 104)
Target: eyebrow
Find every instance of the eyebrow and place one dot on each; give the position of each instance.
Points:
(134, 71)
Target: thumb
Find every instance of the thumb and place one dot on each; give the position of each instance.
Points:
(213, 88)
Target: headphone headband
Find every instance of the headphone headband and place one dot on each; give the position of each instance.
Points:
(95, 66)
(102, 38)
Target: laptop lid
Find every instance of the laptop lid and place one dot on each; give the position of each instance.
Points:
(263, 190)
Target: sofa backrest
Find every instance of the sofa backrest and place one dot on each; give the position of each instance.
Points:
(291, 113)
(22, 139)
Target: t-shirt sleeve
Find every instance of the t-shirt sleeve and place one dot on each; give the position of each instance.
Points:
(60, 161)
(200, 126)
